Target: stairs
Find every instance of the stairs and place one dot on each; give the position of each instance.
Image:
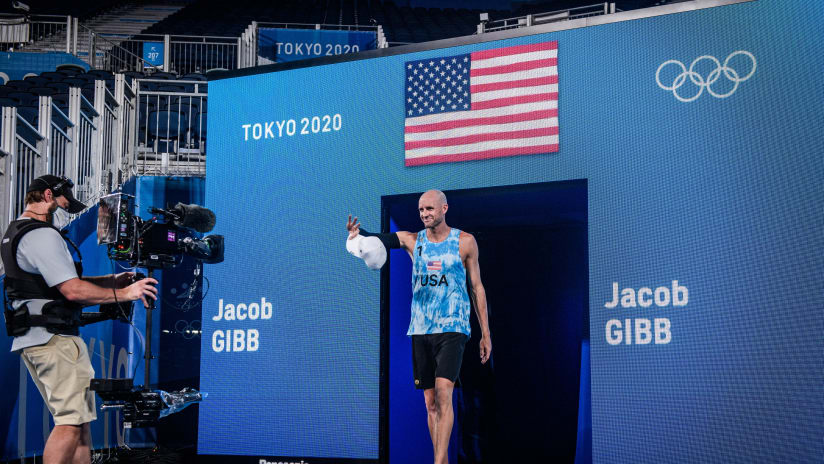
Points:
(110, 28)
(129, 20)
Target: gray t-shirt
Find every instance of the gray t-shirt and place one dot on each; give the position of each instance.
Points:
(42, 251)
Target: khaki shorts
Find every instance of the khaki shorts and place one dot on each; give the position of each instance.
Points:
(62, 371)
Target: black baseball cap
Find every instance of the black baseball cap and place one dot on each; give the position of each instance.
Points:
(61, 186)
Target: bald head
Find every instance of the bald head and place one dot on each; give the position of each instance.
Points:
(436, 196)
(432, 208)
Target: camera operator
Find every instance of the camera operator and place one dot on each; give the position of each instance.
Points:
(46, 293)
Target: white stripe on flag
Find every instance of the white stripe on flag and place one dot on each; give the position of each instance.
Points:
(474, 130)
(482, 146)
(461, 115)
(516, 92)
(512, 59)
(515, 76)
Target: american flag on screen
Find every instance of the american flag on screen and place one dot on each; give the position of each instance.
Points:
(433, 265)
(487, 104)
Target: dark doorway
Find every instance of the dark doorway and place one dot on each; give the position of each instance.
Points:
(524, 403)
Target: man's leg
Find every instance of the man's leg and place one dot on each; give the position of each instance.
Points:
(61, 369)
(62, 443)
(431, 414)
(83, 453)
(445, 418)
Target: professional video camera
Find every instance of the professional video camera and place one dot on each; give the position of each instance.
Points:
(152, 244)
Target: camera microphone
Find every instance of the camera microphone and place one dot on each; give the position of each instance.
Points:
(168, 215)
(193, 217)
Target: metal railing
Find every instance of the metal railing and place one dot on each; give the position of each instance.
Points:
(52, 33)
(186, 54)
(106, 107)
(247, 54)
(548, 17)
(49, 31)
(320, 27)
(24, 144)
(191, 54)
(37, 32)
(124, 138)
(102, 53)
(60, 144)
(14, 30)
(85, 153)
(90, 142)
(171, 127)
(183, 54)
(5, 169)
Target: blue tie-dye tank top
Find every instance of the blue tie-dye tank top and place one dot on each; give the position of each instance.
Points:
(440, 302)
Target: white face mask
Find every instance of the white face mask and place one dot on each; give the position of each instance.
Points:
(60, 218)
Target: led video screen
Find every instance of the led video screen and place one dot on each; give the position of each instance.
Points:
(697, 136)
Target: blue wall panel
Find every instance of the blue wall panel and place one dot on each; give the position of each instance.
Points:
(721, 194)
(16, 65)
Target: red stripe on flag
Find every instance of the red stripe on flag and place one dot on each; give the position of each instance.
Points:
(514, 84)
(499, 102)
(508, 68)
(516, 50)
(475, 138)
(486, 154)
(446, 125)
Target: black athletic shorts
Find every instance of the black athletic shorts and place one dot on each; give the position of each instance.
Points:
(437, 355)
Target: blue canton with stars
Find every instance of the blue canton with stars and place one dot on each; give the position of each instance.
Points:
(437, 85)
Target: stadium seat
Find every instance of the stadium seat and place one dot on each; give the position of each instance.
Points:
(53, 76)
(171, 88)
(70, 68)
(41, 91)
(38, 80)
(193, 77)
(88, 92)
(68, 72)
(29, 113)
(61, 87)
(84, 77)
(145, 85)
(62, 102)
(134, 75)
(162, 75)
(166, 128)
(8, 102)
(19, 85)
(23, 98)
(214, 70)
(72, 82)
(100, 74)
(166, 124)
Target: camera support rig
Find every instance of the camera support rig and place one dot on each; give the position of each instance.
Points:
(152, 245)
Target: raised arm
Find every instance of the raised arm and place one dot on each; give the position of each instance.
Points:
(476, 291)
(406, 239)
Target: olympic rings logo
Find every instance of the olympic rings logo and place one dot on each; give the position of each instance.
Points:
(188, 329)
(705, 83)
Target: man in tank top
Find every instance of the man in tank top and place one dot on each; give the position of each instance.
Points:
(444, 261)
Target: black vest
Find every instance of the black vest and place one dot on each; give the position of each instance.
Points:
(59, 316)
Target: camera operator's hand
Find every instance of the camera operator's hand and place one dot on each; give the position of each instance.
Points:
(141, 289)
(123, 280)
